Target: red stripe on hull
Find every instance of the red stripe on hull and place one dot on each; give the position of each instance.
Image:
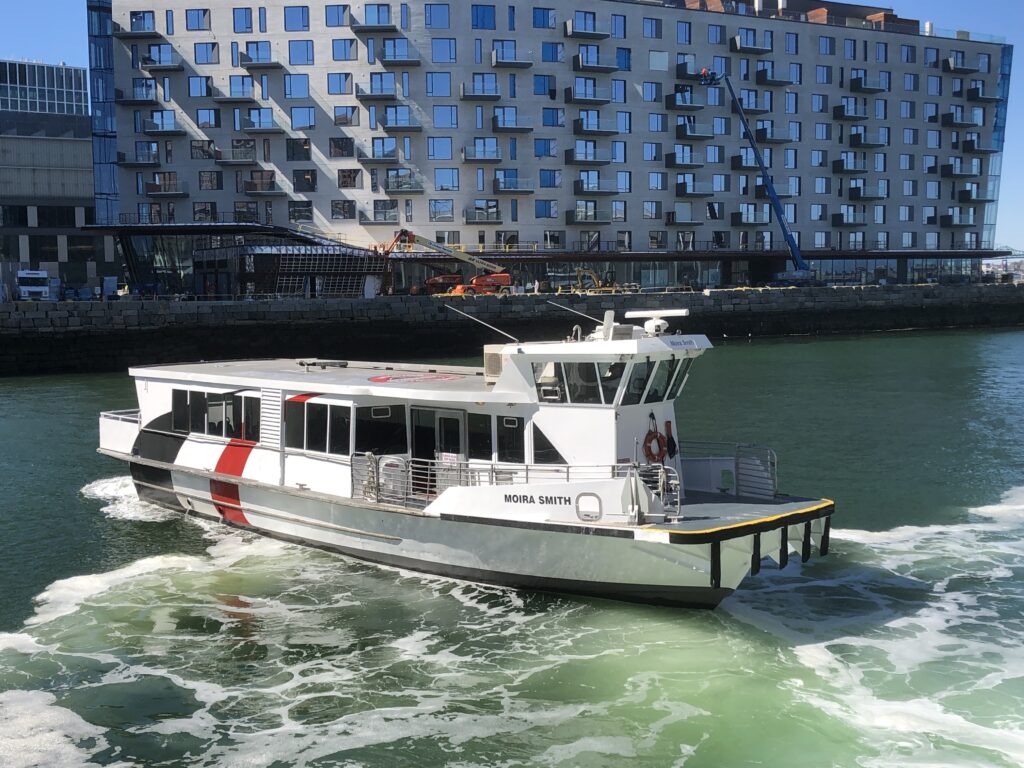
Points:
(231, 462)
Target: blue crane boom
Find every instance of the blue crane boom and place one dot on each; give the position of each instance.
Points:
(710, 78)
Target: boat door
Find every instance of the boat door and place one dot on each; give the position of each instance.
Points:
(438, 448)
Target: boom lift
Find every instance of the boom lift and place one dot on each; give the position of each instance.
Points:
(495, 280)
(802, 272)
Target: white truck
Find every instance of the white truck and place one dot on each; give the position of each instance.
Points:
(32, 285)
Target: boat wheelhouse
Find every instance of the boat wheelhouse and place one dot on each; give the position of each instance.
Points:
(555, 466)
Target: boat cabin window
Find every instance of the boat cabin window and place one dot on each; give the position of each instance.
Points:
(381, 430)
(543, 451)
(317, 427)
(660, 380)
(550, 383)
(677, 385)
(610, 376)
(179, 410)
(478, 429)
(637, 382)
(197, 412)
(217, 415)
(581, 380)
(511, 446)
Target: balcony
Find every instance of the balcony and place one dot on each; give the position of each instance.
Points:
(954, 221)
(684, 160)
(141, 160)
(587, 32)
(137, 32)
(137, 97)
(373, 25)
(783, 192)
(258, 61)
(961, 120)
(481, 155)
(389, 216)
(507, 186)
(866, 141)
(262, 188)
(599, 127)
(582, 188)
(587, 95)
(403, 185)
(749, 219)
(866, 85)
(768, 136)
(694, 132)
(737, 45)
(581, 216)
(951, 171)
(479, 92)
(687, 70)
(979, 95)
(694, 189)
(977, 195)
(234, 156)
(684, 102)
(482, 216)
(679, 219)
(848, 112)
(849, 166)
(163, 128)
(765, 77)
(396, 59)
(262, 125)
(172, 188)
(587, 157)
(579, 64)
(376, 94)
(866, 193)
(849, 219)
(975, 147)
(171, 62)
(400, 124)
(752, 108)
(241, 96)
(951, 64)
(507, 124)
(503, 60)
(743, 163)
(378, 156)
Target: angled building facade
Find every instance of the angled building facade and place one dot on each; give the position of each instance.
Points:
(547, 134)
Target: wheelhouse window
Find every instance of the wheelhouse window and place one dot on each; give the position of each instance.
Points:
(660, 381)
(581, 380)
(677, 385)
(544, 452)
(511, 445)
(610, 377)
(478, 429)
(550, 382)
(381, 430)
(637, 382)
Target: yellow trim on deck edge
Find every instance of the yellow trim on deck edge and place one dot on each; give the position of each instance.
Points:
(825, 503)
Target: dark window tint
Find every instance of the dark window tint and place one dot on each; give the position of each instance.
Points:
(510, 440)
(684, 369)
(543, 451)
(381, 430)
(637, 383)
(197, 412)
(251, 419)
(217, 413)
(294, 424)
(316, 427)
(179, 410)
(610, 375)
(581, 380)
(341, 421)
(234, 425)
(660, 381)
(479, 427)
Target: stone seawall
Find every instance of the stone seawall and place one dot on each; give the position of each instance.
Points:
(40, 337)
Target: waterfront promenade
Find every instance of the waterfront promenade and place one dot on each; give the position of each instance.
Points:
(42, 337)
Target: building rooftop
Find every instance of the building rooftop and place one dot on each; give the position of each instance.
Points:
(54, 89)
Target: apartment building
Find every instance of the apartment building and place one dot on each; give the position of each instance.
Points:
(46, 179)
(540, 131)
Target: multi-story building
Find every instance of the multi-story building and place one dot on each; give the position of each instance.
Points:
(545, 132)
(46, 182)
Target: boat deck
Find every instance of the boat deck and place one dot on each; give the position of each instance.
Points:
(714, 516)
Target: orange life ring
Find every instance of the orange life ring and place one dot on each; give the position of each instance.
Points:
(655, 446)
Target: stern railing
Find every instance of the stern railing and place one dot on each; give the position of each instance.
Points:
(739, 469)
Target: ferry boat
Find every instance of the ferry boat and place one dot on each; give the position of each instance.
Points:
(553, 467)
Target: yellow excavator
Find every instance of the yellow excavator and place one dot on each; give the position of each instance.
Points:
(587, 281)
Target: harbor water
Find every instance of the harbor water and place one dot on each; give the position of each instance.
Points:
(130, 636)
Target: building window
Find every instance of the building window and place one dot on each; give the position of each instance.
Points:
(442, 50)
(652, 28)
(336, 16)
(543, 18)
(343, 49)
(296, 18)
(482, 16)
(296, 86)
(343, 209)
(298, 149)
(304, 180)
(300, 211)
(242, 20)
(342, 146)
(303, 118)
(208, 118)
(300, 52)
(197, 19)
(826, 45)
(207, 53)
(446, 116)
(716, 34)
(210, 181)
(346, 116)
(552, 52)
(441, 210)
(350, 178)
(439, 84)
(436, 16)
(339, 83)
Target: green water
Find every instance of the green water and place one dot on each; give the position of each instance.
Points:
(129, 636)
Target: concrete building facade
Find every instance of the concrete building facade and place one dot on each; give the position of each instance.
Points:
(46, 180)
(538, 128)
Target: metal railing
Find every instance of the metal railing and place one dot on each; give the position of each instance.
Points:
(130, 416)
(734, 468)
(416, 483)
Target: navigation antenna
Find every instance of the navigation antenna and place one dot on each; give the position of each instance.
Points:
(574, 311)
(478, 320)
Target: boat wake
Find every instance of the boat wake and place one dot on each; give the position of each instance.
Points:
(122, 503)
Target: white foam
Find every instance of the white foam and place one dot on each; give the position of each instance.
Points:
(122, 501)
(619, 746)
(20, 642)
(35, 732)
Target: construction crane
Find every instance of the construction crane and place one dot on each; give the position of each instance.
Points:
(708, 78)
(495, 279)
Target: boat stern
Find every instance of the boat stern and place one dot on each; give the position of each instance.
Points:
(119, 430)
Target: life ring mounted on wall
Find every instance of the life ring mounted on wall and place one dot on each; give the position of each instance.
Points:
(655, 444)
